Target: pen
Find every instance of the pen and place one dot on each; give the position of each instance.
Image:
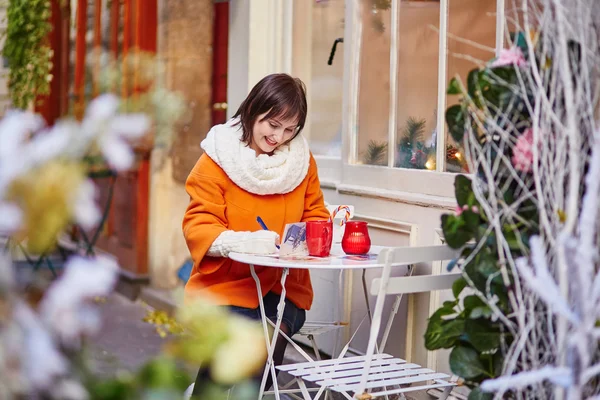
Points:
(263, 225)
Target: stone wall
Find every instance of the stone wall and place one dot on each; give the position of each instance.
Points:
(185, 46)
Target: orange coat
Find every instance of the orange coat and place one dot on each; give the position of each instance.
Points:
(217, 204)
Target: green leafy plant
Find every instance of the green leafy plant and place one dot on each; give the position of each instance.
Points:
(469, 324)
(412, 150)
(466, 324)
(27, 51)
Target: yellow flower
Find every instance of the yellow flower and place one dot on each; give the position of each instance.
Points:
(164, 323)
(233, 346)
(204, 328)
(44, 195)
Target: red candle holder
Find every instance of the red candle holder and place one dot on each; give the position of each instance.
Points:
(356, 238)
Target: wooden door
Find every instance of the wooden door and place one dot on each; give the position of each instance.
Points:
(119, 27)
(220, 48)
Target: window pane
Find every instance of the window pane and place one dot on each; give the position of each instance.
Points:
(473, 21)
(324, 82)
(374, 82)
(418, 58)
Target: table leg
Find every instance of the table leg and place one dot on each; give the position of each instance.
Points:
(270, 367)
(366, 294)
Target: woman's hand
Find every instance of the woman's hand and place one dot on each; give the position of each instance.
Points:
(259, 242)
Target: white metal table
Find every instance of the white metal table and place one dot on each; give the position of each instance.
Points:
(337, 260)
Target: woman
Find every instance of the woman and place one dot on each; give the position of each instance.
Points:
(256, 164)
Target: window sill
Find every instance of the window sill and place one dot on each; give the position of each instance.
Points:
(416, 199)
(416, 187)
(417, 182)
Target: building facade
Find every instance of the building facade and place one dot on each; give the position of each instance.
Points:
(376, 126)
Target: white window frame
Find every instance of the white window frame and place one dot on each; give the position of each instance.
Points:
(346, 171)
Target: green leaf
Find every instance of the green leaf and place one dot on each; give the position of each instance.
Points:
(455, 231)
(163, 373)
(478, 394)
(442, 334)
(456, 122)
(482, 334)
(465, 362)
(472, 220)
(498, 363)
(481, 268)
(488, 266)
(112, 389)
(472, 301)
(446, 309)
(454, 87)
(479, 312)
(473, 86)
(462, 190)
(497, 91)
(458, 286)
(450, 304)
(438, 334)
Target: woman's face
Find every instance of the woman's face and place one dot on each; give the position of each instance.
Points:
(269, 134)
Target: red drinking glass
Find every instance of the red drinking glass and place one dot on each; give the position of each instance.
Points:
(319, 235)
(356, 238)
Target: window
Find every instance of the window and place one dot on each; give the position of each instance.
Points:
(317, 27)
(471, 42)
(403, 55)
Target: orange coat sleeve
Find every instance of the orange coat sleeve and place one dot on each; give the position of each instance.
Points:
(204, 219)
(314, 204)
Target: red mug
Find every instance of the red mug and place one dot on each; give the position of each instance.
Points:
(319, 235)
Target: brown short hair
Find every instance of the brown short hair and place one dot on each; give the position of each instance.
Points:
(278, 95)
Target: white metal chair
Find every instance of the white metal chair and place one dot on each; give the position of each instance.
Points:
(380, 375)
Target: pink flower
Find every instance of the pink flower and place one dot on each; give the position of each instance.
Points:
(459, 210)
(522, 158)
(513, 56)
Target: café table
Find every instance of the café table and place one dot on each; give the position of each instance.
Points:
(337, 260)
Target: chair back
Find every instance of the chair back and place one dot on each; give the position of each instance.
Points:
(398, 285)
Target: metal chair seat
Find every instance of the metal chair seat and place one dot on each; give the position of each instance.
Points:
(388, 375)
(313, 328)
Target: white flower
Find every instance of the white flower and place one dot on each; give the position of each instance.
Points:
(15, 129)
(111, 130)
(69, 390)
(85, 209)
(48, 144)
(41, 360)
(11, 218)
(65, 139)
(65, 307)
